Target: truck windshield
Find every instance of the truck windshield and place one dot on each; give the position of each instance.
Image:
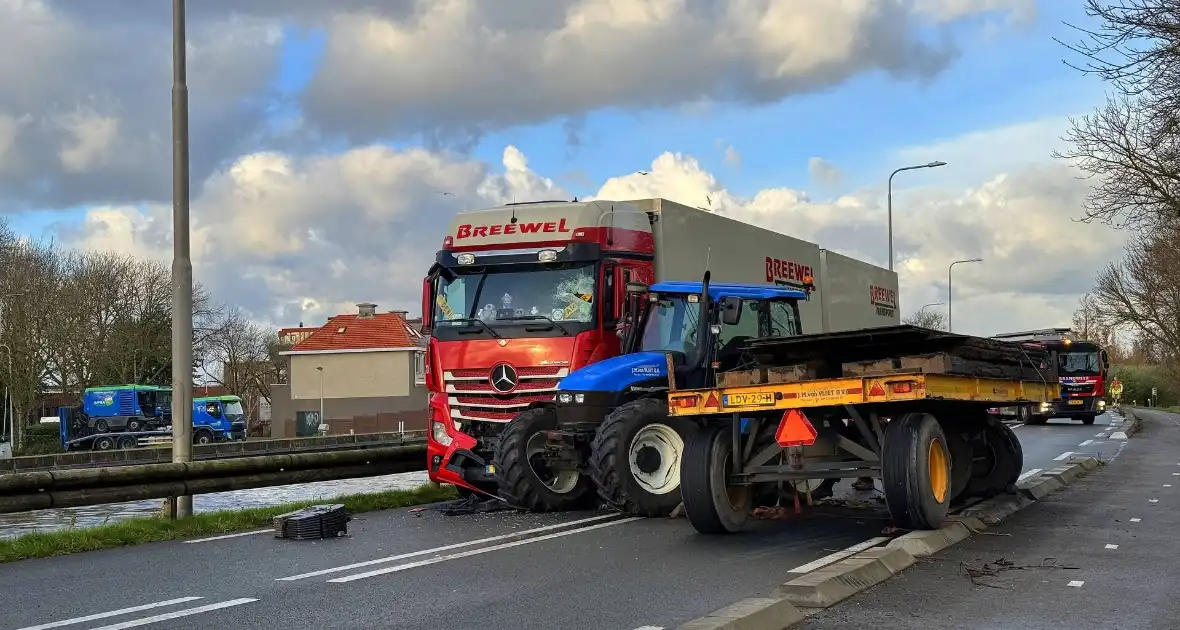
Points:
(233, 410)
(517, 296)
(1079, 363)
(672, 325)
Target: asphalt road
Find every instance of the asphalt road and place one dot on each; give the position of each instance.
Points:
(418, 571)
(1050, 445)
(1099, 554)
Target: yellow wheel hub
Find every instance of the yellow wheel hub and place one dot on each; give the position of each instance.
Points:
(939, 478)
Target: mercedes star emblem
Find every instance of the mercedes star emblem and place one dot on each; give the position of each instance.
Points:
(503, 378)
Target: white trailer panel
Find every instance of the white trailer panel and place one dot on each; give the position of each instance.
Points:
(856, 294)
(736, 252)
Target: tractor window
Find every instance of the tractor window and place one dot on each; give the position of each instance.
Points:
(784, 319)
(672, 325)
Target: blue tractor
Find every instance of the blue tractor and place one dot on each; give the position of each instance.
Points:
(609, 433)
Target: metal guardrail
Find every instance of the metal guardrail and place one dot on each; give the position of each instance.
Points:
(24, 491)
(219, 450)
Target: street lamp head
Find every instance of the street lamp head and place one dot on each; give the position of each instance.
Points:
(975, 260)
(936, 164)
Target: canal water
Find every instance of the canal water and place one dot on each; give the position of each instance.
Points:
(12, 525)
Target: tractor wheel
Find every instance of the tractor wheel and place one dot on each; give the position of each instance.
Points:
(710, 503)
(524, 479)
(635, 458)
(998, 461)
(916, 471)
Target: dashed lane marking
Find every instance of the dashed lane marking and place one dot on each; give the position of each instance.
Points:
(650, 628)
(177, 614)
(1112, 546)
(1062, 456)
(223, 537)
(1136, 520)
(474, 552)
(839, 555)
(1153, 500)
(1099, 435)
(111, 613)
(1086, 443)
(1076, 583)
(470, 543)
(1027, 474)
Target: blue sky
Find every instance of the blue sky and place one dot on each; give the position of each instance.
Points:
(997, 81)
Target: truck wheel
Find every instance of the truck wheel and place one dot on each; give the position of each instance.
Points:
(961, 460)
(524, 480)
(711, 505)
(1035, 420)
(103, 443)
(127, 442)
(134, 424)
(997, 463)
(101, 426)
(916, 471)
(636, 455)
(203, 436)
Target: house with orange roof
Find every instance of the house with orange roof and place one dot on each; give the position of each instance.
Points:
(366, 371)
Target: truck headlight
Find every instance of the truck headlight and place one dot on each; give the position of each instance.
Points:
(438, 431)
(566, 398)
(1101, 403)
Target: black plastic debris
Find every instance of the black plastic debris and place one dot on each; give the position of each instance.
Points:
(473, 504)
(313, 523)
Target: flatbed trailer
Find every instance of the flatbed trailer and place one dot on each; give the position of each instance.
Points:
(915, 416)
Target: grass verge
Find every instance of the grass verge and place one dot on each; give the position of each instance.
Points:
(138, 531)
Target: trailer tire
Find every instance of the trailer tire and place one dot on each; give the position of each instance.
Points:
(128, 442)
(104, 443)
(520, 484)
(916, 471)
(636, 436)
(1002, 460)
(135, 424)
(712, 506)
(961, 458)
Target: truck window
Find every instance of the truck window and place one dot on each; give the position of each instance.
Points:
(213, 409)
(671, 326)
(784, 320)
(496, 295)
(1079, 363)
(234, 410)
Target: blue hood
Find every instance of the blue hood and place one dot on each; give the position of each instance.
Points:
(617, 373)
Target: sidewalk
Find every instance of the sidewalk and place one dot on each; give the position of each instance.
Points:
(1102, 553)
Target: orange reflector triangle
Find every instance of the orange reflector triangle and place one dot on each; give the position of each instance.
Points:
(877, 389)
(712, 400)
(795, 430)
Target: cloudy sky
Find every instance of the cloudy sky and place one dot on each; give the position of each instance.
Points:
(324, 134)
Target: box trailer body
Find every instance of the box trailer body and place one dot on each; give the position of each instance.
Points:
(521, 295)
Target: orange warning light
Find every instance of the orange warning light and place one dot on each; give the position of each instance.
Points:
(795, 430)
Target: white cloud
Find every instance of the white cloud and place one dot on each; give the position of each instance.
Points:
(296, 239)
(824, 173)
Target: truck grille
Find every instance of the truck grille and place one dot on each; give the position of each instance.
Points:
(1077, 389)
(473, 397)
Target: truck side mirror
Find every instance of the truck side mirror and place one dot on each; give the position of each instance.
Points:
(427, 306)
(731, 310)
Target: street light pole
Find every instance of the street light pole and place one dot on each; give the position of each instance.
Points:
(949, 269)
(182, 265)
(889, 200)
(320, 369)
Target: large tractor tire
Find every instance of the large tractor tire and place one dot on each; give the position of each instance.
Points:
(711, 505)
(916, 471)
(997, 461)
(635, 458)
(523, 478)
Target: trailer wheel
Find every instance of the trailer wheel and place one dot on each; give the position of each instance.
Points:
(916, 471)
(710, 503)
(127, 442)
(524, 480)
(998, 461)
(104, 443)
(961, 460)
(636, 457)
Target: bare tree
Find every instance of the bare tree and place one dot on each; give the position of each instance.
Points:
(1128, 146)
(934, 320)
(241, 353)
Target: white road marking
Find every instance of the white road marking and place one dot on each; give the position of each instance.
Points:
(237, 535)
(650, 628)
(1028, 474)
(1087, 442)
(426, 552)
(474, 552)
(1118, 435)
(112, 613)
(839, 555)
(1102, 435)
(1075, 583)
(1062, 456)
(1167, 485)
(1112, 546)
(1153, 500)
(1015, 426)
(1176, 474)
(177, 615)
(1136, 520)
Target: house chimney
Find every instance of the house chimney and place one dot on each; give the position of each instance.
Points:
(367, 310)
(405, 315)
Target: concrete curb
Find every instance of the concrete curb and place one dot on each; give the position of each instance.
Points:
(826, 586)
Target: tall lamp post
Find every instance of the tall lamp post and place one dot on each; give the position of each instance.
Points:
(889, 199)
(182, 264)
(949, 269)
(320, 369)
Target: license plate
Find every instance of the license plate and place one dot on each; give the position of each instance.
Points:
(1076, 401)
(747, 400)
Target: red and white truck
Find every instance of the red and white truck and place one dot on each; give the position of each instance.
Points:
(1082, 368)
(521, 295)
